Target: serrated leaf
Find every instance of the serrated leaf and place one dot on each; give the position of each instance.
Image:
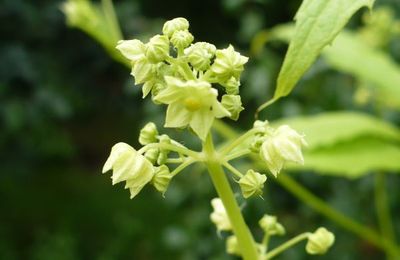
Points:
(351, 55)
(317, 24)
(330, 128)
(354, 158)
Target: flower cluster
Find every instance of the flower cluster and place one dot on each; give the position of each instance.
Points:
(181, 74)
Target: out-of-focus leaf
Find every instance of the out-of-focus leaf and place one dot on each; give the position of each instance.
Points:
(354, 158)
(317, 24)
(330, 128)
(350, 54)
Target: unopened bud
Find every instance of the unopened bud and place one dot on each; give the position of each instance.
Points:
(232, 246)
(200, 55)
(177, 24)
(228, 63)
(182, 39)
(148, 134)
(232, 86)
(320, 241)
(252, 183)
(271, 226)
(157, 48)
(163, 156)
(219, 216)
(233, 104)
(161, 178)
(133, 50)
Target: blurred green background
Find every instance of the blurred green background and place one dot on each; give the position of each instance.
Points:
(64, 102)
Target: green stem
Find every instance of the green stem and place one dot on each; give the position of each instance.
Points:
(111, 18)
(233, 169)
(382, 209)
(286, 245)
(238, 141)
(319, 205)
(182, 166)
(237, 154)
(246, 242)
(171, 147)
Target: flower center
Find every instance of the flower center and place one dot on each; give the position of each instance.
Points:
(192, 104)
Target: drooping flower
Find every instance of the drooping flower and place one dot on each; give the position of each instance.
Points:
(219, 216)
(320, 241)
(282, 146)
(192, 103)
(129, 166)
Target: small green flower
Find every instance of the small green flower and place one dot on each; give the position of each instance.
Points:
(157, 48)
(176, 24)
(233, 104)
(320, 241)
(200, 55)
(271, 226)
(252, 183)
(181, 39)
(284, 145)
(231, 86)
(228, 63)
(143, 70)
(129, 166)
(232, 245)
(192, 103)
(219, 216)
(148, 134)
(162, 178)
(133, 50)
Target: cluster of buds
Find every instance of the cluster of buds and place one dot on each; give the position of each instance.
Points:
(277, 147)
(181, 74)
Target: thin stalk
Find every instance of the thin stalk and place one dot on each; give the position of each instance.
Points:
(238, 141)
(171, 147)
(246, 242)
(286, 245)
(182, 166)
(382, 209)
(233, 169)
(237, 154)
(319, 205)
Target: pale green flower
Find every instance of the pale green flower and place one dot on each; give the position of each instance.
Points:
(233, 104)
(148, 134)
(320, 241)
(271, 226)
(228, 63)
(181, 39)
(252, 183)
(176, 24)
(232, 245)
(157, 48)
(143, 70)
(133, 50)
(283, 145)
(129, 166)
(161, 179)
(200, 55)
(219, 216)
(192, 103)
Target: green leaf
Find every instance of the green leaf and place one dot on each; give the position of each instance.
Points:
(317, 24)
(330, 128)
(366, 63)
(354, 158)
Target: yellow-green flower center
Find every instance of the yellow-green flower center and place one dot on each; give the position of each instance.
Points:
(192, 104)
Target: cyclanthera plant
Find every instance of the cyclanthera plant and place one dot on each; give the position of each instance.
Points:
(200, 84)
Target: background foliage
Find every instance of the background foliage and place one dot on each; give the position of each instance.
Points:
(64, 102)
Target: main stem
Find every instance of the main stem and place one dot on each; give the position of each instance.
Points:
(245, 239)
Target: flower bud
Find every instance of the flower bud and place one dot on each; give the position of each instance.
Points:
(233, 104)
(200, 55)
(219, 216)
(232, 86)
(177, 24)
(148, 134)
(157, 48)
(161, 178)
(320, 241)
(129, 166)
(133, 50)
(255, 145)
(142, 70)
(284, 145)
(228, 63)
(152, 155)
(271, 226)
(232, 245)
(252, 183)
(181, 39)
(163, 156)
